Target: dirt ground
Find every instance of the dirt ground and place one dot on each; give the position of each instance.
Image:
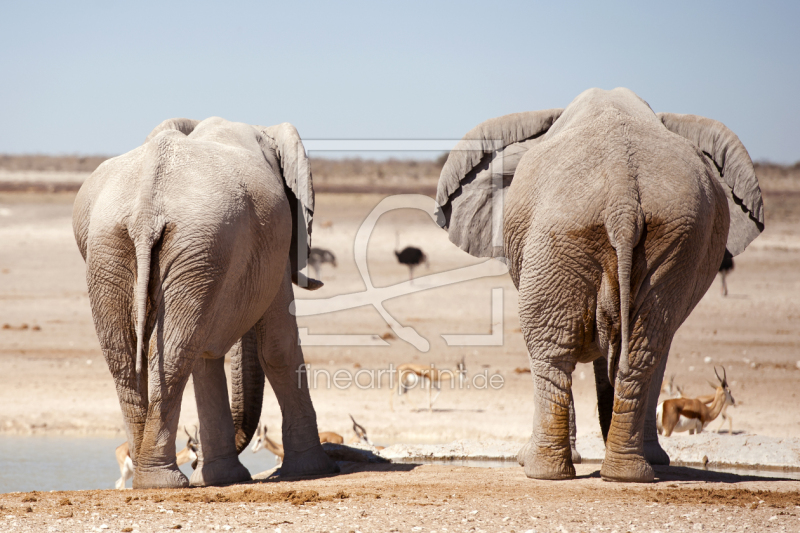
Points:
(53, 380)
(425, 498)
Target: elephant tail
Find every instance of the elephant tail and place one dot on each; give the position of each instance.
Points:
(146, 226)
(624, 235)
(143, 257)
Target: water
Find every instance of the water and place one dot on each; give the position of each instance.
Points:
(78, 463)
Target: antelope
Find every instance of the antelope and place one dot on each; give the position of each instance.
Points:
(672, 391)
(123, 453)
(261, 440)
(723, 414)
(361, 435)
(408, 372)
(691, 414)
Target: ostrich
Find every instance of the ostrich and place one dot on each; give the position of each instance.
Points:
(318, 256)
(724, 269)
(411, 256)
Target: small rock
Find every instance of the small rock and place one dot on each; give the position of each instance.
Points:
(88, 361)
(707, 359)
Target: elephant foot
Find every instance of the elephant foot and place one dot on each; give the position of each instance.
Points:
(159, 478)
(544, 464)
(223, 471)
(576, 457)
(626, 468)
(522, 453)
(312, 462)
(655, 454)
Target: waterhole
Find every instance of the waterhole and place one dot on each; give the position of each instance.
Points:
(78, 463)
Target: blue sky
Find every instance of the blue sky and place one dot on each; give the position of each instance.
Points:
(96, 77)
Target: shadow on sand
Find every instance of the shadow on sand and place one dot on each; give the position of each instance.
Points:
(345, 467)
(425, 410)
(666, 474)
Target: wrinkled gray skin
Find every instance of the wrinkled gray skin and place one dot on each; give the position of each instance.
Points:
(187, 246)
(615, 222)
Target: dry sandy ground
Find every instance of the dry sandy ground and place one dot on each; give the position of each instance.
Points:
(425, 499)
(53, 380)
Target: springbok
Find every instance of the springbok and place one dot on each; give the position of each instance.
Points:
(261, 440)
(123, 453)
(691, 414)
(409, 374)
(723, 415)
(361, 435)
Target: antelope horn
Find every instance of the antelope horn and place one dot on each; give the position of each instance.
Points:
(196, 437)
(357, 426)
(724, 377)
(187, 432)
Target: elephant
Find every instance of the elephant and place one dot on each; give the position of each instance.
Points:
(192, 242)
(613, 221)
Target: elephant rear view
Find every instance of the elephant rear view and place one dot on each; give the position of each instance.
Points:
(191, 248)
(614, 221)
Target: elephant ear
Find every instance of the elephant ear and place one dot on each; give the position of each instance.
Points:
(735, 173)
(183, 125)
(285, 142)
(469, 209)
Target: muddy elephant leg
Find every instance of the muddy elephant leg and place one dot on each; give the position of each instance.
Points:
(653, 451)
(155, 465)
(624, 459)
(573, 431)
(217, 460)
(548, 455)
(282, 360)
(605, 395)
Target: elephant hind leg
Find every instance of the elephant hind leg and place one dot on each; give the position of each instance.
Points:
(653, 452)
(625, 455)
(282, 360)
(549, 453)
(156, 465)
(169, 370)
(218, 463)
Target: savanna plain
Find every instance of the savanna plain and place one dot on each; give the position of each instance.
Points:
(54, 382)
